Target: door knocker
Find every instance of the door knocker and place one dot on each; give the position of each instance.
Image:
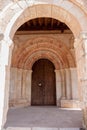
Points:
(39, 84)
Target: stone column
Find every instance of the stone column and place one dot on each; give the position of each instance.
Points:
(13, 86)
(74, 84)
(18, 80)
(68, 84)
(63, 84)
(5, 54)
(58, 87)
(28, 86)
(81, 60)
(24, 84)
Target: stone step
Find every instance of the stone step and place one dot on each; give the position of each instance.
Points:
(40, 128)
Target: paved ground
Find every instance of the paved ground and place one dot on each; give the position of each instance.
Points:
(50, 117)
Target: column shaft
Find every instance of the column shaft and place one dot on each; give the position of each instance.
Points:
(58, 87)
(63, 84)
(68, 84)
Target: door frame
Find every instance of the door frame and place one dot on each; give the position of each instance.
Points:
(60, 88)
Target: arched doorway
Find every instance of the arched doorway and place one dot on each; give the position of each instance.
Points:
(63, 13)
(43, 91)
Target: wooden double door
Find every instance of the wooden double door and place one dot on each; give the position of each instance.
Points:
(43, 91)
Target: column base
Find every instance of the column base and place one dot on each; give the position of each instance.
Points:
(70, 104)
(63, 98)
(19, 103)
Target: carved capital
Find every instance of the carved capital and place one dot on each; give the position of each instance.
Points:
(7, 40)
(82, 38)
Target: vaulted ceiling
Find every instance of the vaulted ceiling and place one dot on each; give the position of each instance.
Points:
(43, 24)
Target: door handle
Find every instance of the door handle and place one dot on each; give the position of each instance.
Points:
(39, 84)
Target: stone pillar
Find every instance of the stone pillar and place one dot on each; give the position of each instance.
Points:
(68, 84)
(81, 60)
(63, 84)
(28, 86)
(5, 54)
(58, 87)
(74, 84)
(2, 95)
(23, 84)
(13, 86)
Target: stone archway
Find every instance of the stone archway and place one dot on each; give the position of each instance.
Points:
(21, 68)
(57, 10)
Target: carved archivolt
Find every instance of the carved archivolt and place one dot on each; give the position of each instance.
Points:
(42, 47)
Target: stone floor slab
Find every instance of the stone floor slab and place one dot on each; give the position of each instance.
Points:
(43, 117)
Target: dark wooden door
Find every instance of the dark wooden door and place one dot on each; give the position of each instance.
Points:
(43, 90)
